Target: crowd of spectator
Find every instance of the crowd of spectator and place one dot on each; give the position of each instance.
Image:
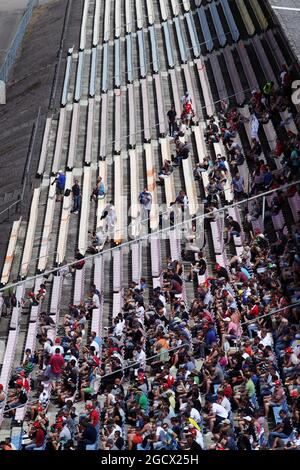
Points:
(220, 373)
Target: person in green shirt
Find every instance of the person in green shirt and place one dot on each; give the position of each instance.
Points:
(250, 387)
(142, 400)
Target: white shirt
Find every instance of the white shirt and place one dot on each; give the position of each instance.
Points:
(182, 128)
(140, 313)
(96, 346)
(65, 434)
(116, 428)
(195, 415)
(226, 164)
(162, 299)
(111, 398)
(111, 217)
(282, 76)
(199, 438)
(185, 202)
(73, 358)
(294, 358)
(254, 126)
(119, 328)
(219, 410)
(44, 398)
(141, 357)
(226, 404)
(160, 432)
(47, 347)
(186, 98)
(267, 340)
(101, 237)
(96, 300)
(56, 346)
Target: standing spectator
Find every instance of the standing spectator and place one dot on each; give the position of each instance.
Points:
(268, 90)
(238, 187)
(267, 178)
(172, 120)
(145, 199)
(57, 364)
(254, 124)
(188, 112)
(56, 346)
(76, 197)
(101, 187)
(109, 213)
(186, 98)
(60, 185)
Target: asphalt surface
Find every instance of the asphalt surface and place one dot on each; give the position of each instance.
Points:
(11, 12)
(29, 87)
(288, 15)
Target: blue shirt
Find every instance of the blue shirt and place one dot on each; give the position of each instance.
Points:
(210, 337)
(61, 180)
(98, 340)
(268, 178)
(101, 189)
(244, 270)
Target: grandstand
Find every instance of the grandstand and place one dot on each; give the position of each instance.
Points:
(133, 61)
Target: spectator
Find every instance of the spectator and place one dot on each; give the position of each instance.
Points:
(57, 364)
(60, 185)
(76, 197)
(37, 434)
(172, 120)
(87, 436)
(282, 431)
(238, 187)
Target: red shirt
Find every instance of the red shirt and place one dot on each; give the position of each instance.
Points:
(94, 417)
(279, 149)
(56, 363)
(188, 107)
(254, 311)
(228, 391)
(24, 384)
(207, 316)
(39, 437)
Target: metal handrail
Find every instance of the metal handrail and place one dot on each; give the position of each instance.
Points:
(13, 204)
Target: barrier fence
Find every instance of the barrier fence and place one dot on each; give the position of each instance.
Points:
(14, 47)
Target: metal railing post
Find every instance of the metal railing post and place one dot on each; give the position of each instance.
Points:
(263, 210)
